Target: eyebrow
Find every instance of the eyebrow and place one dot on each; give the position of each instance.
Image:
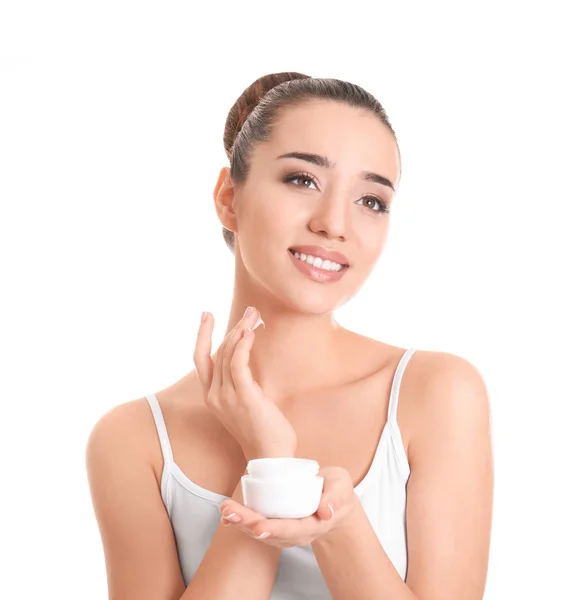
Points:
(322, 161)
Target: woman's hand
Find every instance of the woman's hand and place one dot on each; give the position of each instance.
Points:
(233, 396)
(336, 506)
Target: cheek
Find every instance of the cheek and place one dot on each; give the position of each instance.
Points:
(265, 231)
(275, 220)
(373, 239)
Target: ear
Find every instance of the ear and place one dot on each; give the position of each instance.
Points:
(224, 195)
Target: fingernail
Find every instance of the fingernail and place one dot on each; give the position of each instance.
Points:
(203, 318)
(263, 535)
(233, 517)
(331, 510)
(248, 311)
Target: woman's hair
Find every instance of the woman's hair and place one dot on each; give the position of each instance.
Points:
(254, 114)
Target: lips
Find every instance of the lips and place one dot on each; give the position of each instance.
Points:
(323, 253)
(316, 274)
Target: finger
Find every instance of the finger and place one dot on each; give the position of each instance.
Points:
(239, 514)
(217, 382)
(240, 372)
(219, 360)
(287, 530)
(202, 352)
(235, 336)
(337, 485)
(248, 321)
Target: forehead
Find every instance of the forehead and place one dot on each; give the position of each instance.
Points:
(350, 137)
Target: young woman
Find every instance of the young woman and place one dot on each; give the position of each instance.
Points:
(402, 435)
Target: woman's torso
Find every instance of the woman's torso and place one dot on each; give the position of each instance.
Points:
(336, 427)
(340, 425)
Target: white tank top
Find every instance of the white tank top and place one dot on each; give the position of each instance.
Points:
(195, 516)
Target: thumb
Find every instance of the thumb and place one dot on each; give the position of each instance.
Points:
(327, 503)
(337, 483)
(326, 511)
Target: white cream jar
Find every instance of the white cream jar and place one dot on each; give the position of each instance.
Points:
(282, 488)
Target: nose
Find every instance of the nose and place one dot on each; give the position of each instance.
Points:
(330, 216)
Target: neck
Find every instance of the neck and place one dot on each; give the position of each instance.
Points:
(294, 351)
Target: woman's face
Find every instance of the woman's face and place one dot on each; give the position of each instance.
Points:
(289, 202)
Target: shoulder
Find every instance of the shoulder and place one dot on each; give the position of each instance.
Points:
(434, 368)
(128, 430)
(125, 428)
(128, 506)
(445, 378)
(450, 488)
(135, 416)
(448, 399)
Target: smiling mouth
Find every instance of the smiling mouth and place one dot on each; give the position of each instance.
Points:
(293, 253)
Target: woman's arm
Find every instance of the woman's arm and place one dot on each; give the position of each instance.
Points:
(235, 566)
(449, 500)
(138, 541)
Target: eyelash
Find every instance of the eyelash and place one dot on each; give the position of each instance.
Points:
(383, 206)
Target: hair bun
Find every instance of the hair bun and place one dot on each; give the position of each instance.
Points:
(248, 100)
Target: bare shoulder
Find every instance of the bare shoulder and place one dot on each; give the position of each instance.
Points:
(125, 423)
(432, 368)
(130, 428)
(138, 542)
(435, 386)
(127, 426)
(445, 389)
(450, 490)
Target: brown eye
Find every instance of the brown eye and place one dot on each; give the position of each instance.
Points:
(302, 177)
(371, 202)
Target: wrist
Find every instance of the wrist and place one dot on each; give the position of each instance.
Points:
(271, 452)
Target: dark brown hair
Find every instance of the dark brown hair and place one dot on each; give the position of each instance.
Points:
(254, 114)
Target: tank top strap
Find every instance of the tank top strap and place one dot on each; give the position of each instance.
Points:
(394, 396)
(161, 428)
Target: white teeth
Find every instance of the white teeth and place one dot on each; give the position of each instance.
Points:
(316, 261)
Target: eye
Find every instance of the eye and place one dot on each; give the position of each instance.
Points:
(382, 205)
(305, 177)
(299, 177)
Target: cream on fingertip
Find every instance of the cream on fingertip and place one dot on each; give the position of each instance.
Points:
(259, 322)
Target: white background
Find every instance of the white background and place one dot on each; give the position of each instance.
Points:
(111, 124)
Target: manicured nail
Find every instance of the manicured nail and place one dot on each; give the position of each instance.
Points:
(264, 535)
(331, 510)
(203, 317)
(248, 311)
(233, 517)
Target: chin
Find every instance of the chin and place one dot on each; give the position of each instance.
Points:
(314, 298)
